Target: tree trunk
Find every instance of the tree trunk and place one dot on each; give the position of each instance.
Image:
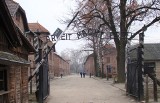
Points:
(121, 63)
(122, 43)
(95, 64)
(102, 70)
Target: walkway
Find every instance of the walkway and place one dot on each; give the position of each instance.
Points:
(73, 89)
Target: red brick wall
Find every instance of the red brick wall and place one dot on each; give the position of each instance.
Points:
(50, 63)
(24, 84)
(56, 65)
(12, 86)
(18, 84)
(89, 66)
(112, 63)
(60, 66)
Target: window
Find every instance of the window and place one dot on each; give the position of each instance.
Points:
(3, 86)
(3, 80)
(18, 16)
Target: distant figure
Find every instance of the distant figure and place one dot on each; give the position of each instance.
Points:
(90, 75)
(81, 74)
(61, 75)
(84, 74)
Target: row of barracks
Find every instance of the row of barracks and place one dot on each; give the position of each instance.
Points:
(18, 52)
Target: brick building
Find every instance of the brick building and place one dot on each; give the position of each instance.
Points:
(14, 51)
(61, 66)
(51, 60)
(56, 64)
(44, 44)
(89, 65)
(109, 61)
(151, 66)
(39, 32)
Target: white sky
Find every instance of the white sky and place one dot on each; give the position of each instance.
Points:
(49, 12)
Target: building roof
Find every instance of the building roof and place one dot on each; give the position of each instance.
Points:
(109, 49)
(25, 42)
(8, 24)
(11, 59)
(60, 57)
(12, 31)
(36, 27)
(13, 8)
(87, 58)
(151, 52)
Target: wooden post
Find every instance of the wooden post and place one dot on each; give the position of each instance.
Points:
(140, 67)
(40, 98)
(155, 88)
(39, 80)
(147, 93)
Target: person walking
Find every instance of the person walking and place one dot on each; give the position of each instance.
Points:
(84, 74)
(90, 75)
(81, 74)
(61, 75)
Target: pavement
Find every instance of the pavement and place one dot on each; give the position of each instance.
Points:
(121, 86)
(110, 81)
(73, 89)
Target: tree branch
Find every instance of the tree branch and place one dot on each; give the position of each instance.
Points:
(111, 22)
(145, 27)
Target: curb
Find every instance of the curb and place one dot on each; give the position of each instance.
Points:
(118, 87)
(112, 84)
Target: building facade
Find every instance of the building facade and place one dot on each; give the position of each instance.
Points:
(60, 66)
(43, 43)
(14, 51)
(109, 62)
(151, 66)
(89, 65)
(51, 60)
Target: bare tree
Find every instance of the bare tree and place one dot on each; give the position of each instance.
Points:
(120, 17)
(65, 54)
(76, 58)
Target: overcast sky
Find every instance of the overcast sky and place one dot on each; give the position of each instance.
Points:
(49, 12)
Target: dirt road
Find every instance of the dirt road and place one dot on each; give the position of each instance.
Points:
(74, 89)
